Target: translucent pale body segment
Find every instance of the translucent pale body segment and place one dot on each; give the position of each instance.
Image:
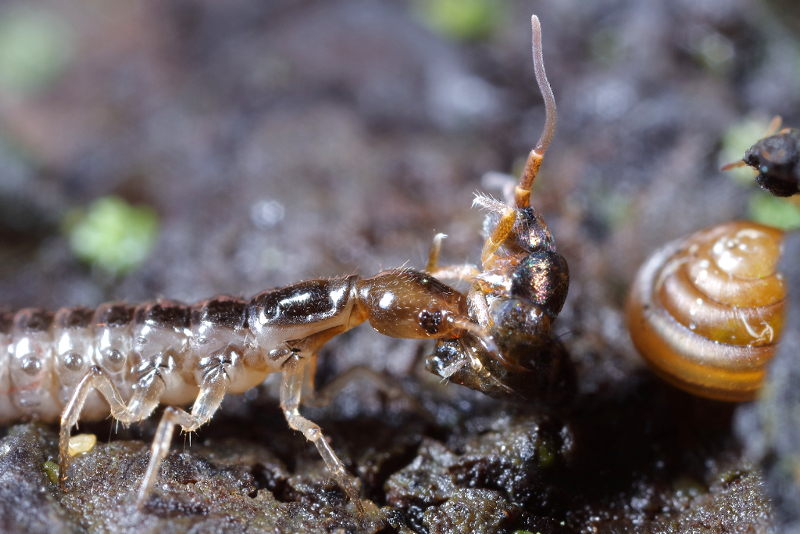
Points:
(73, 340)
(162, 355)
(161, 350)
(7, 410)
(219, 349)
(113, 343)
(33, 382)
(81, 443)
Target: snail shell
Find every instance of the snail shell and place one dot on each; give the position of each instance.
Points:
(706, 311)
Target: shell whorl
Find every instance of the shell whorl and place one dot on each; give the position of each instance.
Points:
(706, 311)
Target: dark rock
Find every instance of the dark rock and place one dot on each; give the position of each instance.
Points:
(29, 500)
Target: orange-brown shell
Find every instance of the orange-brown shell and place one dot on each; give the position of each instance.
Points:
(706, 312)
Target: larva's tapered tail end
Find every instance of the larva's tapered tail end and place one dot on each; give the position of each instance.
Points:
(522, 192)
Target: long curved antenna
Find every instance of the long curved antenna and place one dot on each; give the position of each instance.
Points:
(522, 193)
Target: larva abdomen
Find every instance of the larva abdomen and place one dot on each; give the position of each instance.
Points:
(43, 356)
(33, 382)
(72, 354)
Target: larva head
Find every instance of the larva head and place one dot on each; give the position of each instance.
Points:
(531, 366)
(410, 304)
(706, 312)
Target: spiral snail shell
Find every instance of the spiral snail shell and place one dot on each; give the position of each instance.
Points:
(706, 311)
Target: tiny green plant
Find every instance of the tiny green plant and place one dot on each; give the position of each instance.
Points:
(774, 211)
(464, 20)
(112, 234)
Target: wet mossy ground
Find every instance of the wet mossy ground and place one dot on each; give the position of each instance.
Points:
(284, 140)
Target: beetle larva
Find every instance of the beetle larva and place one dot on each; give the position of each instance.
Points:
(77, 362)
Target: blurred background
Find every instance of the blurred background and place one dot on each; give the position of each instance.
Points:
(188, 148)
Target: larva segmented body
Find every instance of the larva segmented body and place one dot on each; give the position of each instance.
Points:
(78, 363)
(45, 355)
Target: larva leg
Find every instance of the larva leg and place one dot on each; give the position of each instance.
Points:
(208, 401)
(433, 253)
(450, 272)
(309, 380)
(291, 393)
(479, 307)
(141, 405)
(324, 396)
(459, 273)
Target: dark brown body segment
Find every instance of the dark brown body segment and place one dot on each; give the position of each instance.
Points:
(309, 302)
(74, 318)
(162, 314)
(223, 311)
(33, 320)
(113, 314)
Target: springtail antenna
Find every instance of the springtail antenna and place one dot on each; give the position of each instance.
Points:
(773, 128)
(733, 165)
(522, 193)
